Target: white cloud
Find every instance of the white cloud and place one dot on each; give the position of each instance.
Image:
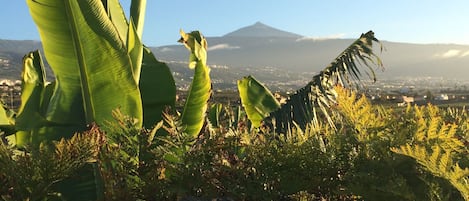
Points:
(453, 53)
(319, 38)
(165, 49)
(465, 54)
(222, 46)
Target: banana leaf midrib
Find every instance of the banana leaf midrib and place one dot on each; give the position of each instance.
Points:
(86, 92)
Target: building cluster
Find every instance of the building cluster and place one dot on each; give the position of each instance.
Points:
(419, 92)
(5, 63)
(10, 93)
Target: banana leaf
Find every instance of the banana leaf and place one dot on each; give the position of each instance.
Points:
(116, 14)
(193, 115)
(137, 14)
(93, 67)
(156, 83)
(157, 87)
(7, 120)
(257, 100)
(214, 114)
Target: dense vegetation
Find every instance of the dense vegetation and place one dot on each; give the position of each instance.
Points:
(106, 128)
(372, 154)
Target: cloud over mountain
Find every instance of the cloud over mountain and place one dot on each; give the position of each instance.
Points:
(223, 46)
(453, 53)
(319, 38)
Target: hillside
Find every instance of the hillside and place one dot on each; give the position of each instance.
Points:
(279, 56)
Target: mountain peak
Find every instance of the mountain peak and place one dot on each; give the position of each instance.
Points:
(260, 29)
(260, 24)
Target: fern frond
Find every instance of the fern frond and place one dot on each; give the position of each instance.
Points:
(435, 155)
(445, 161)
(432, 130)
(433, 127)
(366, 119)
(439, 163)
(35, 174)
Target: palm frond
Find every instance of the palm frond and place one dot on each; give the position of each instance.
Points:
(319, 93)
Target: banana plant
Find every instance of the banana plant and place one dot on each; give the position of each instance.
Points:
(214, 114)
(7, 120)
(301, 107)
(193, 115)
(97, 57)
(257, 100)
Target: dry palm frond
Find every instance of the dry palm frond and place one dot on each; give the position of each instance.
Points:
(319, 93)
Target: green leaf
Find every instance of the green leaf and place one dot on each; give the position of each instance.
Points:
(117, 16)
(256, 99)
(86, 184)
(172, 158)
(91, 63)
(214, 114)
(137, 13)
(30, 118)
(135, 50)
(195, 107)
(7, 119)
(157, 87)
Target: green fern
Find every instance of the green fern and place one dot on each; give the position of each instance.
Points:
(434, 130)
(37, 174)
(368, 120)
(440, 163)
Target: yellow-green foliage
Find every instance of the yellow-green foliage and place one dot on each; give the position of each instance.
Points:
(437, 144)
(370, 121)
(434, 138)
(37, 173)
(440, 163)
(433, 130)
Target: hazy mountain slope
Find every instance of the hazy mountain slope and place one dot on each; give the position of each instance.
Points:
(263, 50)
(19, 46)
(437, 60)
(12, 53)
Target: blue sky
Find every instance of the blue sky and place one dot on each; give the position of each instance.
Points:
(415, 21)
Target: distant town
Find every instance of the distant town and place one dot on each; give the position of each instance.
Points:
(397, 92)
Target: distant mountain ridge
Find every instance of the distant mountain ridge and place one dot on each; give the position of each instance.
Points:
(259, 48)
(19, 46)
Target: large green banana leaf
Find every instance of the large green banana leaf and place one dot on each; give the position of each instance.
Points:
(129, 31)
(93, 67)
(157, 87)
(156, 83)
(193, 115)
(257, 100)
(137, 13)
